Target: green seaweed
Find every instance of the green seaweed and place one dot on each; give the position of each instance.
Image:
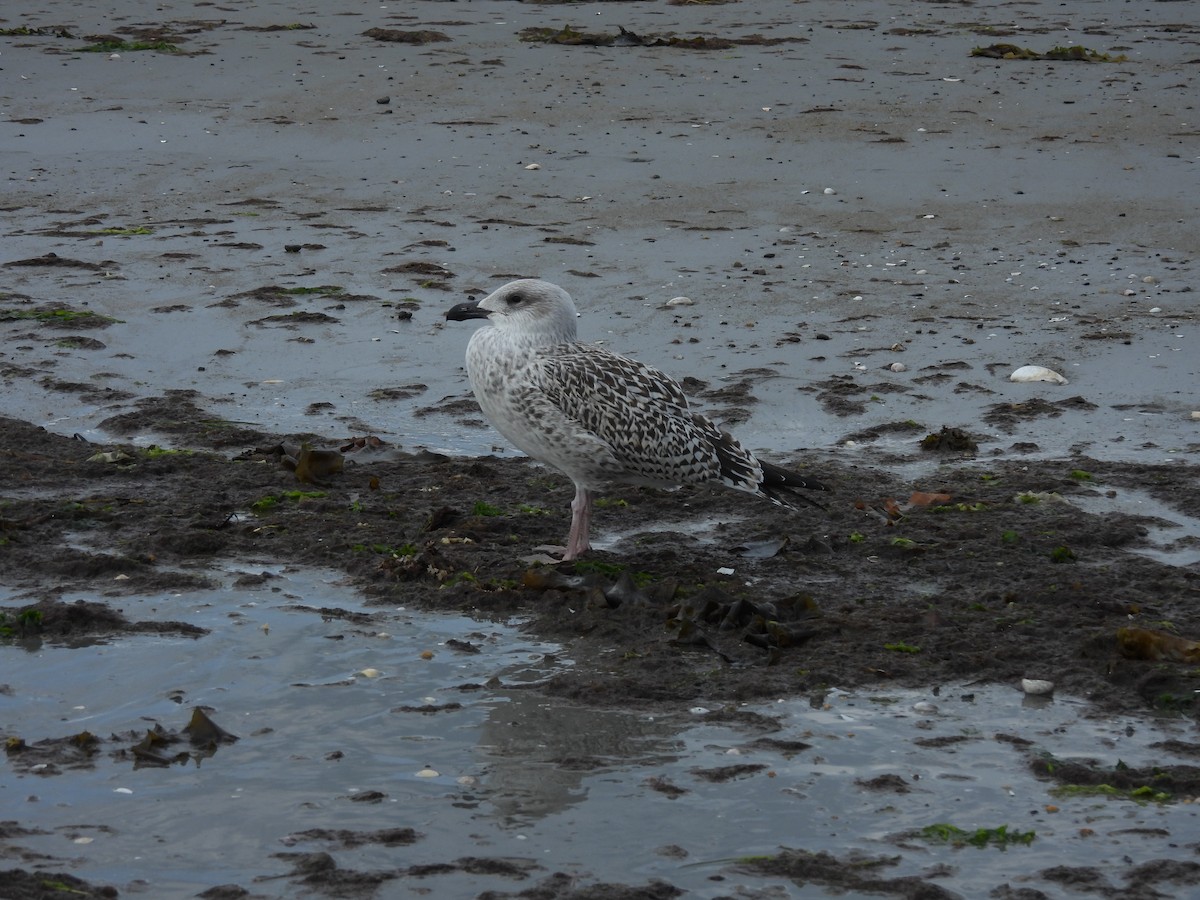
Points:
(28, 619)
(154, 452)
(1062, 554)
(1143, 794)
(123, 232)
(569, 36)
(1001, 837)
(319, 289)
(54, 315)
(114, 45)
(26, 31)
(1064, 54)
(270, 501)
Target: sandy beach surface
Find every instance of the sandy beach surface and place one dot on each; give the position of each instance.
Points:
(244, 473)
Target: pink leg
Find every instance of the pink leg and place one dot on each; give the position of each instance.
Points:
(581, 522)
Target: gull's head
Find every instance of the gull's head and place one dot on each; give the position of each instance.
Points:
(536, 311)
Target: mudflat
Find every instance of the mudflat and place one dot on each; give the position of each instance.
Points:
(230, 240)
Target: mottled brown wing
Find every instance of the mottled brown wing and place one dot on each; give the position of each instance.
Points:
(638, 411)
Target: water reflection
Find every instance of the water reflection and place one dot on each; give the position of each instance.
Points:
(538, 753)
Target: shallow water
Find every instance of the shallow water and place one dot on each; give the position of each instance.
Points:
(983, 215)
(521, 776)
(987, 212)
(1174, 535)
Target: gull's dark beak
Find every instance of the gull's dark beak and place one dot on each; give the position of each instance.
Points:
(463, 311)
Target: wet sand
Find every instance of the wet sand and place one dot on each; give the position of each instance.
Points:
(250, 242)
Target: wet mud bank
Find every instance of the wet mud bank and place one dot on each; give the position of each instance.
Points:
(243, 473)
(975, 575)
(991, 572)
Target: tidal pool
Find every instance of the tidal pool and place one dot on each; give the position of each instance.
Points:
(417, 750)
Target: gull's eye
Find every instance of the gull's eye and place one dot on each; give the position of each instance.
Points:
(515, 299)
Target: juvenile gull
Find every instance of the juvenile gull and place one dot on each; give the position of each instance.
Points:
(599, 418)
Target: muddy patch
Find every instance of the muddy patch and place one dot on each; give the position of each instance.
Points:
(992, 573)
(238, 393)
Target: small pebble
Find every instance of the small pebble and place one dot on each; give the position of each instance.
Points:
(1037, 687)
(428, 773)
(830, 191)
(898, 367)
(1036, 373)
(681, 301)
(532, 166)
(370, 673)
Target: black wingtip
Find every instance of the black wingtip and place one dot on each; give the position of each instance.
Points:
(782, 486)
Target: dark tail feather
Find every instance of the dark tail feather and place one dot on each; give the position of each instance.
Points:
(739, 470)
(779, 484)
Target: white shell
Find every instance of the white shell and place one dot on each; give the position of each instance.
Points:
(898, 367)
(1037, 687)
(680, 301)
(1036, 373)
